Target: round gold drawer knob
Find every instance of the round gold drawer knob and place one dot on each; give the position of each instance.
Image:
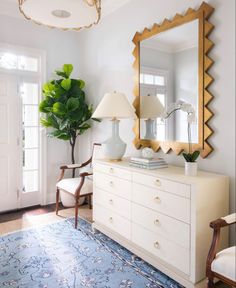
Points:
(156, 222)
(158, 182)
(157, 199)
(157, 245)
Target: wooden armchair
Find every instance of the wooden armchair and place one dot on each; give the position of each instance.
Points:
(221, 265)
(79, 186)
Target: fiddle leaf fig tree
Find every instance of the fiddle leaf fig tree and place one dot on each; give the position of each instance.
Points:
(65, 109)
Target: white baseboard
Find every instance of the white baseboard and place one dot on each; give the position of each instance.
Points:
(51, 199)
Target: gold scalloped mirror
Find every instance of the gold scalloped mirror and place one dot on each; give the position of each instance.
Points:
(172, 66)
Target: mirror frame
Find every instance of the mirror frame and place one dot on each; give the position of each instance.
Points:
(204, 79)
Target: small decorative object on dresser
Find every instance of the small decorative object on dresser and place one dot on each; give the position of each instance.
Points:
(114, 106)
(161, 215)
(147, 153)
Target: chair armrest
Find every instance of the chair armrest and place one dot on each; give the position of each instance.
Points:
(71, 166)
(223, 221)
(84, 174)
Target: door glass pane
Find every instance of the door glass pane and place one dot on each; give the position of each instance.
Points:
(27, 63)
(30, 115)
(29, 92)
(160, 80)
(148, 79)
(30, 181)
(30, 160)
(8, 60)
(30, 139)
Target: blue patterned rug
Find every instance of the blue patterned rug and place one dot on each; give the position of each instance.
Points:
(58, 256)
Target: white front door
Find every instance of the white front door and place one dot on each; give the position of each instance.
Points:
(9, 142)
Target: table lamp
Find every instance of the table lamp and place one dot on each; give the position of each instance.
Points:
(114, 106)
(150, 109)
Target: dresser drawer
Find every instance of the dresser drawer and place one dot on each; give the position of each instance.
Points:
(113, 221)
(161, 201)
(116, 204)
(111, 184)
(162, 184)
(113, 171)
(161, 247)
(160, 224)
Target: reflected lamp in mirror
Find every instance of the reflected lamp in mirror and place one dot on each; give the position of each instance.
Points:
(114, 106)
(150, 109)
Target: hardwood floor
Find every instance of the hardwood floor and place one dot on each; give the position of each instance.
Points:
(21, 213)
(35, 216)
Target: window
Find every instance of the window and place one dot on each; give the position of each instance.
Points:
(18, 62)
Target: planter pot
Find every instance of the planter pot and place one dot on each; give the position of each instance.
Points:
(191, 168)
(68, 200)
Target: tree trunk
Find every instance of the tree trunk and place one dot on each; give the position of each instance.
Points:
(72, 143)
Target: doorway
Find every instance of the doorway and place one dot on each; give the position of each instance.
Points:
(21, 139)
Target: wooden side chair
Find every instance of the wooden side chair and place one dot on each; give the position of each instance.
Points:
(80, 186)
(221, 265)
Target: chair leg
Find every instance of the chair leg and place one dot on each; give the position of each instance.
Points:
(76, 212)
(210, 283)
(90, 201)
(57, 200)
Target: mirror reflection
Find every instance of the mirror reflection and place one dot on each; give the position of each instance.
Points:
(169, 74)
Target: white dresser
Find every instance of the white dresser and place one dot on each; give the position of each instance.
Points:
(161, 215)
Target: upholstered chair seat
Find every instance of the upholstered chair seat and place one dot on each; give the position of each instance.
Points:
(70, 185)
(225, 263)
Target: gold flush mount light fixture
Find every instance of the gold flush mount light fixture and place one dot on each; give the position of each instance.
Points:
(62, 14)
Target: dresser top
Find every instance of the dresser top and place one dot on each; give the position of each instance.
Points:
(173, 172)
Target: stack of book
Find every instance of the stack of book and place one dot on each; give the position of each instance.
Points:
(154, 163)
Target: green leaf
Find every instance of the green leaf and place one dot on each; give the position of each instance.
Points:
(43, 106)
(59, 109)
(195, 155)
(67, 68)
(72, 104)
(60, 135)
(63, 124)
(66, 84)
(81, 84)
(45, 122)
(48, 88)
(53, 120)
(186, 157)
(61, 73)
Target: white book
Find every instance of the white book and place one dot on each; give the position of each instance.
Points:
(144, 160)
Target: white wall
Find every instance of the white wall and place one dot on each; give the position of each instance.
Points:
(61, 47)
(107, 65)
(186, 89)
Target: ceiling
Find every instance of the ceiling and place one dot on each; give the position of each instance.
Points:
(10, 7)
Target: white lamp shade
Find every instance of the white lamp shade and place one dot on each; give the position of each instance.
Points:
(66, 14)
(150, 107)
(114, 105)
